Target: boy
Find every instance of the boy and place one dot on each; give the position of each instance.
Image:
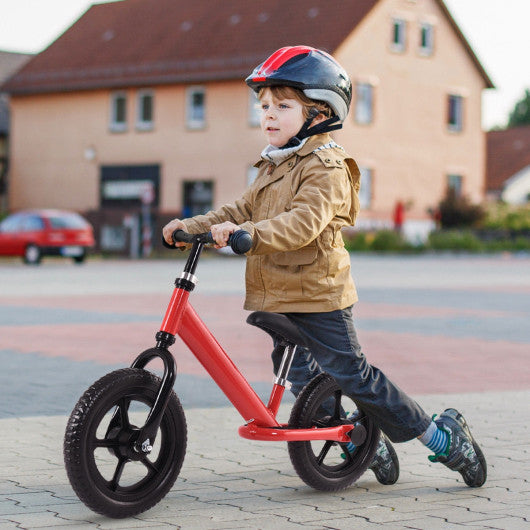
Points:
(305, 192)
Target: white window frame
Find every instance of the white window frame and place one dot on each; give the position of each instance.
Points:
(364, 103)
(455, 112)
(399, 25)
(455, 181)
(365, 193)
(114, 124)
(254, 109)
(252, 173)
(426, 47)
(192, 121)
(141, 123)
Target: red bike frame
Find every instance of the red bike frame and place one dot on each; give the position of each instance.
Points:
(260, 420)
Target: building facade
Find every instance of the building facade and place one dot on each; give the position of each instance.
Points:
(113, 114)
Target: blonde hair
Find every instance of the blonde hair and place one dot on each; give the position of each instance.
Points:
(288, 92)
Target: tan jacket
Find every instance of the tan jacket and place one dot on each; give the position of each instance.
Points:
(294, 212)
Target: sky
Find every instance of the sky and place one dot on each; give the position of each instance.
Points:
(496, 29)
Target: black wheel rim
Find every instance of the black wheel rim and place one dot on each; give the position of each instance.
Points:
(110, 455)
(332, 459)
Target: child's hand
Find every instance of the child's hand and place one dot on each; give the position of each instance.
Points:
(221, 233)
(168, 230)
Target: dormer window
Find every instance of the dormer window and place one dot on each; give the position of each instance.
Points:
(399, 30)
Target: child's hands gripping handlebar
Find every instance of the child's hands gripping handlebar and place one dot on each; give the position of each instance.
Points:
(240, 241)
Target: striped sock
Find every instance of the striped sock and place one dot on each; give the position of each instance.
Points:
(435, 439)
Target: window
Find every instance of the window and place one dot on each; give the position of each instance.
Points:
(197, 197)
(365, 193)
(144, 111)
(455, 113)
(252, 173)
(196, 108)
(426, 39)
(254, 111)
(364, 101)
(118, 112)
(454, 183)
(398, 42)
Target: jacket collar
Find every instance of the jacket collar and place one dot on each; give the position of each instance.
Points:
(313, 142)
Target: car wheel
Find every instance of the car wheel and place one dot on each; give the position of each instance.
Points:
(32, 254)
(80, 259)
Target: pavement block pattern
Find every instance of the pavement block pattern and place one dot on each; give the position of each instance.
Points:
(229, 482)
(452, 331)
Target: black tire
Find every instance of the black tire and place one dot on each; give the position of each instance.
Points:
(104, 470)
(328, 465)
(81, 258)
(32, 254)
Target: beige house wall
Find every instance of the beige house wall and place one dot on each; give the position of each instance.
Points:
(408, 145)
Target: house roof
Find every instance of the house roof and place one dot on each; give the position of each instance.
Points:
(134, 42)
(139, 42)
(508, 151)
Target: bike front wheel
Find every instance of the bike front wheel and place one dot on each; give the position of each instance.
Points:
(328, 465)
(106, 471)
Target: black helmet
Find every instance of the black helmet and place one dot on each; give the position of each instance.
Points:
(312, 71)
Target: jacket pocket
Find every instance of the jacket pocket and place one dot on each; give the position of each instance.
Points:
(302, 256)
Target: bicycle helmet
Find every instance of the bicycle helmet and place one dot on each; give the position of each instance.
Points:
(312, 71)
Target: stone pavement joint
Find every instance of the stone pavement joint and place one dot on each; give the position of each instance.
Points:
(228, 482)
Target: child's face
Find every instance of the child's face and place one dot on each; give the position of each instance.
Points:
(281, 119)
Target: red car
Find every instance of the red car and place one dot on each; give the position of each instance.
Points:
(33, 234)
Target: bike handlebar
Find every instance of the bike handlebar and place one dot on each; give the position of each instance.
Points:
(240, 241)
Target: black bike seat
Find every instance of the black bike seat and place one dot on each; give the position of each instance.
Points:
(279, 327)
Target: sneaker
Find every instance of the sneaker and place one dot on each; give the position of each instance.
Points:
(462, 454)
(385, 463)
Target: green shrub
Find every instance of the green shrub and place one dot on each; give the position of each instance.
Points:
(357, 243)
(501, 216)
(389, 240)
(455, 240)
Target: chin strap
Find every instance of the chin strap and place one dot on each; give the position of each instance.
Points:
(325, 126)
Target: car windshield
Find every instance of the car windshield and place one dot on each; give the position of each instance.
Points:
(68, 221)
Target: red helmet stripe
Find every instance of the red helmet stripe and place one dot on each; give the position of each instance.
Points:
(279, 58)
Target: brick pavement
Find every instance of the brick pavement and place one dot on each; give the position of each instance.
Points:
(454, 326)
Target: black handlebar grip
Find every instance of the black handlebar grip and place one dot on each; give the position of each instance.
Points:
(240, 241)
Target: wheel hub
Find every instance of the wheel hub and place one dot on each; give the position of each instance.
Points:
(125, 443)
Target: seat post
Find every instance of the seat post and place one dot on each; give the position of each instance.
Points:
(281, 378)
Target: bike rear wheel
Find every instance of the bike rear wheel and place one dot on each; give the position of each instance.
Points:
(105, 470)
(328, 465)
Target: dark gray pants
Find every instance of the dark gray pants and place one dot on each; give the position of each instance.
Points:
(333, 344)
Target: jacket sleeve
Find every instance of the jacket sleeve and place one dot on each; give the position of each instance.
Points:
(237, 212)
(323, 192)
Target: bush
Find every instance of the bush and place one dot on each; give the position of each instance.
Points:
(501, 216)
(389, 240)
(457, 212)
(455, 240)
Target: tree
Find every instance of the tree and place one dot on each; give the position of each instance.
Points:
(520, 114)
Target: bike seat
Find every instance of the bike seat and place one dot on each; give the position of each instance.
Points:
(279, 327)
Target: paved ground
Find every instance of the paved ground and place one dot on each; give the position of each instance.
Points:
(452, 331)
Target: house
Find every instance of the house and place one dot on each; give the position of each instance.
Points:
(508, 165)
(145, 98)
(10, 62)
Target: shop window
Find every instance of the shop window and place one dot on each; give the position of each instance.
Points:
(198, 197)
